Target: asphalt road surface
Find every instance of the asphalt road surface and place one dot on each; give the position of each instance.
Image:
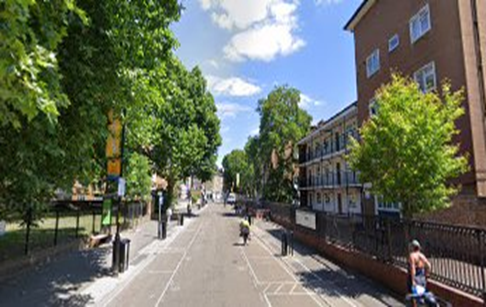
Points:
(205, 265)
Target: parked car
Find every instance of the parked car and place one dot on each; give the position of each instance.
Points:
(231, 199)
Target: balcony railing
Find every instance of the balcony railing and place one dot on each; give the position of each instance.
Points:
(332, 180)
(324, 151)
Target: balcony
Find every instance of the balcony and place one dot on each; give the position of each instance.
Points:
(325, 151)
(331, 180)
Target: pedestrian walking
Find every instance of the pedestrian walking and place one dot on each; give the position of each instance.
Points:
(418, 270)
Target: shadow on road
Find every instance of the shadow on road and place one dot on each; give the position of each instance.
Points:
(229, 214)
(348, 283)
(57, 283)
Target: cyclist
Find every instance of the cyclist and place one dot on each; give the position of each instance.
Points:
(244, 230)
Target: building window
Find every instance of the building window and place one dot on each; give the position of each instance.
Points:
(318, 198)
(393, 43)
(386, 206)
(373, 63)
(373, 107)
(426, 78)
(420, 24)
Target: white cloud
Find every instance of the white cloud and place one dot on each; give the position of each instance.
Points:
(231, 109)
(307, 102)
(326, 2)
(264, 29)
(255, 131)
(232, 86)
(237, 14)
(263, 43)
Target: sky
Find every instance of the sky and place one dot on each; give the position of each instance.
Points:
(246, 48)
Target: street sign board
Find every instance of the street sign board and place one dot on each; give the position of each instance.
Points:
(113, 146)
(121, 187)
(305, 219)
(106, 212)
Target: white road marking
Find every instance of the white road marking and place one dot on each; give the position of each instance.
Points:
(259, 240)
(178, 266)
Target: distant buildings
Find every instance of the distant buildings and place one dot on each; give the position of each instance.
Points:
(430, 41)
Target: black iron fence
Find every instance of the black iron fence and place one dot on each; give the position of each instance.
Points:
(62, 224)
(457, 254)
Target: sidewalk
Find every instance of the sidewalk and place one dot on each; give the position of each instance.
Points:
(62, 281)
(321, 275)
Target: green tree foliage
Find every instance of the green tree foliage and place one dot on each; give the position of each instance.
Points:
(235, 164)
(253, 178)
(139, 181)
(406, 150)
(282, 124)
(30, 34)
(63, 67)
(177, 129)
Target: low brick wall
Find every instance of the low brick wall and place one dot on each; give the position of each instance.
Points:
(390, 276)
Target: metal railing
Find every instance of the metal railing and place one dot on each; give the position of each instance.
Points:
(61, 224)
(457, 254)
(332, 180)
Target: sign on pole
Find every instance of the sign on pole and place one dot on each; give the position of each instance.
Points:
(121, 187)
(113, 145)
(106, 212)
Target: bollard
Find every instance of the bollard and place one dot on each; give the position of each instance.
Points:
(284, 243)
(164, 230)
(181, 219)
(290, 240)
(249, 219)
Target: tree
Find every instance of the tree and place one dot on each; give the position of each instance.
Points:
(234, 164)
(177, 127)
(63, 67)
(139, 181)
(282, 124)
(29, 77)
(406, 149)
(254, 176)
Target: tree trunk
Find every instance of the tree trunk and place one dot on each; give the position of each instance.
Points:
(171, 182)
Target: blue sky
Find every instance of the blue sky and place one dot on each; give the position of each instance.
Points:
(247, 47)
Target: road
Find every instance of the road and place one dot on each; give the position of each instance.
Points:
(205, 265)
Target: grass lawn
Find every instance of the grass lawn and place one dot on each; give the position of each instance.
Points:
(12, 244)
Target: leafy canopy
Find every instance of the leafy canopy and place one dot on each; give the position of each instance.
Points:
(282, 124)
(406, 151)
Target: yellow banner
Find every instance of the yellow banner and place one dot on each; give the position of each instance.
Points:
(113, 145)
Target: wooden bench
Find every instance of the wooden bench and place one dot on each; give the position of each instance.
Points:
(98, 239)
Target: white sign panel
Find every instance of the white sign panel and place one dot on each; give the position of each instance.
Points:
(306, 219)
(121, 187)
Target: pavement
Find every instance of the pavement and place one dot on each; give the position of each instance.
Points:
(202, 263)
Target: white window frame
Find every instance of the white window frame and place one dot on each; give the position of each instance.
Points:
(391, 47)
(373, 58)
(417, 18)
(388, 207)
(421, 75)
(372, 106)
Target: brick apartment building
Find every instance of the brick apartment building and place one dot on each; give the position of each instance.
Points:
(326, 181)
(430, 41)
